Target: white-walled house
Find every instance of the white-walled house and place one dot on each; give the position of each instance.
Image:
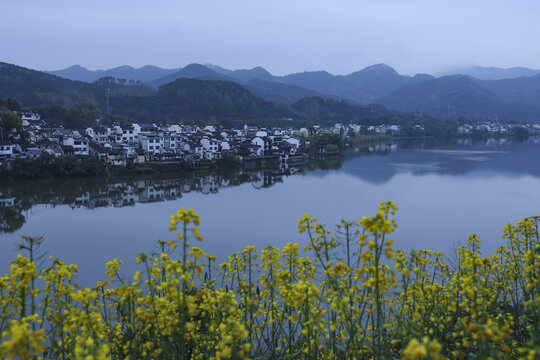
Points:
(152, 144)
(225, 146)
(148, 129)
(303, 132)
(99, 134)
(175, 128)
(30, 118)
(6, 150)
(175, 142)
(79, 144)
(210, 144)
(210, 148)
(293, 141)
(128, 134)
(263, 143)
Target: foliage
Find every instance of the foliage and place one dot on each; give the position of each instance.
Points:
(34, 88)
(68, 102)
(330, 111)
(10, 120)
(352, 296)
(49, 166)
(462, 96)
(11, 104)
(330, 142)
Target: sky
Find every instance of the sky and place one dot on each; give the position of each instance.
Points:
(283, 36)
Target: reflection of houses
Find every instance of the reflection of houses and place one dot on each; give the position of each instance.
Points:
(120, 194)
(151, 194)
(265, 179)
(207, 184)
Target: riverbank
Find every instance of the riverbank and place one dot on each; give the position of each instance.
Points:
(72, 166)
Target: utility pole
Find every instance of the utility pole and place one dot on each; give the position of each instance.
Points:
(108, 91)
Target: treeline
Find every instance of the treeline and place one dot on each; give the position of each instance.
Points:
(49, 166)
(190, 100)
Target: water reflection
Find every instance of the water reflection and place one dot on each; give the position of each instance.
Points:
(18, 197)
(457, 158)
(375, 164)
(444, 191)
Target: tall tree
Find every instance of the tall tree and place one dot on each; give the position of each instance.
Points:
(10, 120)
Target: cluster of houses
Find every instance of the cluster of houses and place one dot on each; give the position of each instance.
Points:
(496, 128)
(140, 143)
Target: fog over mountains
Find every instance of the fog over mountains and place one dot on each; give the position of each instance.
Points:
(473, 92)
(493, 73)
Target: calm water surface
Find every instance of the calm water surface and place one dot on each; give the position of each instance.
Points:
(444, 193)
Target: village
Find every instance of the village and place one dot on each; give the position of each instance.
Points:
(119, 145)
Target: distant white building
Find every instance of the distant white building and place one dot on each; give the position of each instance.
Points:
(152, 144)
(209, 128)
(303, 132)
(210, 149)
(99, 134)
(128, 134)
(79, 144)
(6, 150)
(293, 141)
(30, 118)
(175, 128)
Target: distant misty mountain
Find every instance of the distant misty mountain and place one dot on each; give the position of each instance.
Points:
(257, 80)
(462, 96)
(76, 104)
(452, 96)
(213, 72)
(38, 88)
(493, 73)
(143, 74)
(281, 92)
(363, 86)
(522, 90)
(192, 71)
(257, 73)
(77, 72)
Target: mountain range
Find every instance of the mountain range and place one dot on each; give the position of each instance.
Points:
(493, 73)
(145, 73)
(450, 97)
(476, 93)
(76, 103)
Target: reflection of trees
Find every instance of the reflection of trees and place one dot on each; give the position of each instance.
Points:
(11, 219)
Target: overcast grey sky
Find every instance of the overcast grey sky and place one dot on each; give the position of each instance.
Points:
(283, 36)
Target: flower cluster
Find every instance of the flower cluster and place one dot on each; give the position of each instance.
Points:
(348, 294)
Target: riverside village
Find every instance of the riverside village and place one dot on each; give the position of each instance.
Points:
(118, 145)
